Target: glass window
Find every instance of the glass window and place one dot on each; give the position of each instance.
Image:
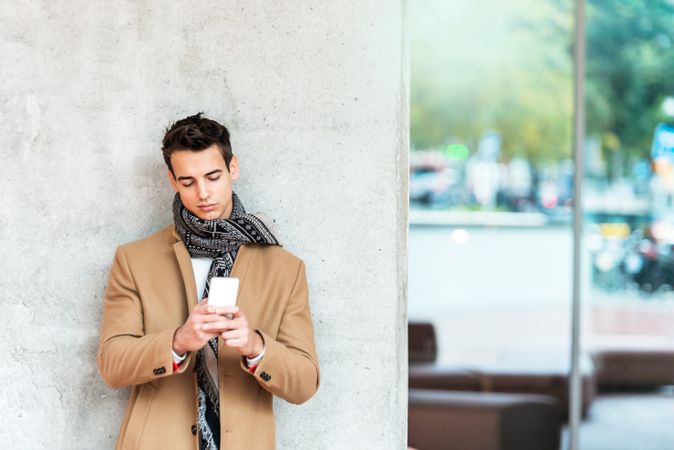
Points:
(491, 204)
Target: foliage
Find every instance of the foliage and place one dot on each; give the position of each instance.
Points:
(508, 65)
(492, 65)
(630, 63)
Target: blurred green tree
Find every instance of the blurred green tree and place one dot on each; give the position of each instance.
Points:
(509, 66)
(492, 65)
(630, 71)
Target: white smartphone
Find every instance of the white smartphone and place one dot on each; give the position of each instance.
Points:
(222, 291)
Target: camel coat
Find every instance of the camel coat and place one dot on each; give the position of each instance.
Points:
(150, 293)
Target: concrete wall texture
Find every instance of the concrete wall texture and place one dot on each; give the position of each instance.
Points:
(315, 96)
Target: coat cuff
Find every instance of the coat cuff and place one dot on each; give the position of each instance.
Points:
(271, 359)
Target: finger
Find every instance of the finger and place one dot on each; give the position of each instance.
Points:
(197, 331)
(234, 334)
(238, 342)
(216, 326)
(204, 336)
(204, 308)
(235, 324)
(206, 318)
(233, 310)
(223, 325)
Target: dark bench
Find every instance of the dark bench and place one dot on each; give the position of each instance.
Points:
(478, 421)
(519, 374)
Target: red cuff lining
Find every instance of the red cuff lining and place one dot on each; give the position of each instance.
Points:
(176, 366)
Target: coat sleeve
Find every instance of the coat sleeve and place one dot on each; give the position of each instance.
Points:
(289, 368)
(126, 355)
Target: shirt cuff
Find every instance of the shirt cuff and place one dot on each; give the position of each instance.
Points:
(252, 362)
(178, 358)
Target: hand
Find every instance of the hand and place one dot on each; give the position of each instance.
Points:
(238, 335)
(201, 326)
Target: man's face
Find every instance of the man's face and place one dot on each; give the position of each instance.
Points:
(203, 182)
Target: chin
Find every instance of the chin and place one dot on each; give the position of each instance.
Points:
(210, 215)
(213, 215)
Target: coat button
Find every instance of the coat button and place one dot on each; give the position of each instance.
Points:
(194, 430)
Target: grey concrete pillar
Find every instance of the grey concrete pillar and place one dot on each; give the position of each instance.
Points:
(315, 96)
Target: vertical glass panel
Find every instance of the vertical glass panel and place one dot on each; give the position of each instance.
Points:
(490, 242)
(629, 223)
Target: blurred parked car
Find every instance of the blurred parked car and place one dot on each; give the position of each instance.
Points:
(651, 259)
(434, 186)
(622, 253)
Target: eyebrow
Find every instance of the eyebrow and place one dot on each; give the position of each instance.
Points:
(212, 172)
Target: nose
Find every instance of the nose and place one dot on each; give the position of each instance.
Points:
(201, 191)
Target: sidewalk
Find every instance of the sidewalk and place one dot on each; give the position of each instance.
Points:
(422, 217)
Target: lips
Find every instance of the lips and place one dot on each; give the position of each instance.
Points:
(207, 207)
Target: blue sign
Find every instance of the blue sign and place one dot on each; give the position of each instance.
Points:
(663, 142)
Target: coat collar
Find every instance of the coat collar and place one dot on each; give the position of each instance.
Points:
(185, 263)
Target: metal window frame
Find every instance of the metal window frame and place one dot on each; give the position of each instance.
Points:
(575, 392)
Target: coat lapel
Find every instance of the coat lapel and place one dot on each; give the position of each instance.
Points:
(240, 267)
(186, 271)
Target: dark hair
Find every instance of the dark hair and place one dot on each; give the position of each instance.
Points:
(196, 133)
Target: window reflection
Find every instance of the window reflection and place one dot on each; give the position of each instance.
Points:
(491, 195)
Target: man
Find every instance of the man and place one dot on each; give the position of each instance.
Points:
(203, 376)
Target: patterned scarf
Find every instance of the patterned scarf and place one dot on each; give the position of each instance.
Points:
(218, 239)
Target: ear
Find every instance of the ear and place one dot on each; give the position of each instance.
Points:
(234, 167)
(172, 180)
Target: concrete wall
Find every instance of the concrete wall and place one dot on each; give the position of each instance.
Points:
(315, 95)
